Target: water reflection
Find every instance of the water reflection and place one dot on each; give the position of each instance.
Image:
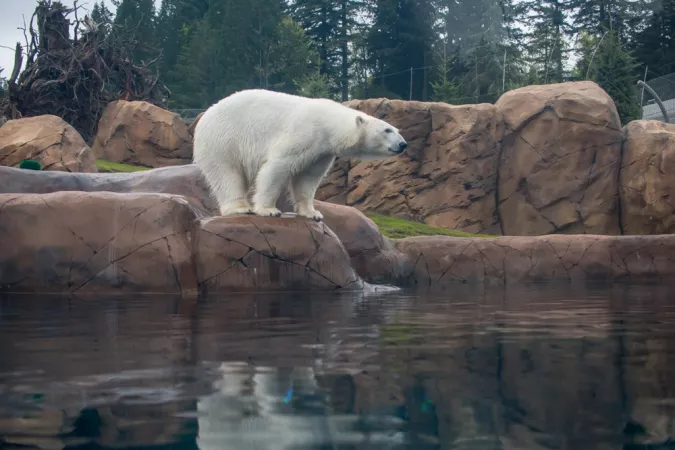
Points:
(527, 368)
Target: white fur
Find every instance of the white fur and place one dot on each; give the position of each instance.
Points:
(265, 141)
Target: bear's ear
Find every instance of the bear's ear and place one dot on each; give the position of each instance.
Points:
(360, 120)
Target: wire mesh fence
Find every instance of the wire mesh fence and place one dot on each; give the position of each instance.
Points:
(665, 88)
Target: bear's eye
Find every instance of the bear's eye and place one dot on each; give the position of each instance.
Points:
(388, 130)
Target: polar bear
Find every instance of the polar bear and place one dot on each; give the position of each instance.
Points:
(264, 141)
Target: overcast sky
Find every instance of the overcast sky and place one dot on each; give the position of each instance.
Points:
(11, 18)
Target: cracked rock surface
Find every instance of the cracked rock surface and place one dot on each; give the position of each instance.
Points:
(48, 139)
(373, 255)
(446, 178)
(559, 167)
(439, 261)
(142, 134)
(647, 182)
(97, 241)
(270, 253)
(543, 159)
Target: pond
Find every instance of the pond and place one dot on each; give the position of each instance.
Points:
(536, 367)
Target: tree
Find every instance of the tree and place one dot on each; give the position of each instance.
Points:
(320, 20)
(314, 86)
(614, 69)
(654, 45)
(546, 45)
(135, 22)
(103, 17)
(401, 38)
(292, 56)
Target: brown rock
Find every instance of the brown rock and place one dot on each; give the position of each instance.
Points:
(560, 160)
(185, 180)
(142, 134)
(647, 178)
(193, 125)
(440, 261)
(447, 177)
(240, 253)
(372, 255)
(84, 242)
(47, 139)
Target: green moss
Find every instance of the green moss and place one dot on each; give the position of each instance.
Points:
(30, 164)
(400, 228)
(109, 166)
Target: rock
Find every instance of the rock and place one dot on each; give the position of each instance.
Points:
(185, 180)
(193, 125)
(442, 261)
(372, 255)
(47, 139)
(560, 160)
(142, 134)
(89, 242)
(647, 179)
(240, 253)
(446, 178)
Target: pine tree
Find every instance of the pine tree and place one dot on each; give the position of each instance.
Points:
(292, 56)
(614, 69)
(102, 16)
(135, 23)
(546, 43)
(401, 38)
(321, 21)
(654, 45)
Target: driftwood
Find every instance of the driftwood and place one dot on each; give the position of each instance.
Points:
(76, 77)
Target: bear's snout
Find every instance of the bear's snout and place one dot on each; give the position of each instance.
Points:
(402, 145)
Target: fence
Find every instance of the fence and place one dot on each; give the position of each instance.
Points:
(188, 115)
(665, 88)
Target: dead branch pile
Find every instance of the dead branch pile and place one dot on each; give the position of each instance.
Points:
(75, 78)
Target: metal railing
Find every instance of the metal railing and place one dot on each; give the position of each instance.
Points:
(665, 88)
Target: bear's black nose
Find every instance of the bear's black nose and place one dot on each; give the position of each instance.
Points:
(403, 145)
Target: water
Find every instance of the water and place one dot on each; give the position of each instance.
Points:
(472, 368)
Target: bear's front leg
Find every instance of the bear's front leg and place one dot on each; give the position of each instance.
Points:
(270, 181)
(305, 184)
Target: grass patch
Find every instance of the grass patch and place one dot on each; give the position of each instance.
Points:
(400, 228)
(109, 166)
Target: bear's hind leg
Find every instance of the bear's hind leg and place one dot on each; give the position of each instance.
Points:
(231, 194)
(305, 184)
(270, 181)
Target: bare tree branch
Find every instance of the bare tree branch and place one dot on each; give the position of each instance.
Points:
(76, 78)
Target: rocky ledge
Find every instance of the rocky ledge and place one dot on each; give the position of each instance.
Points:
(155, 231)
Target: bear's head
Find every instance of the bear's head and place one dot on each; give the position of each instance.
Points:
(377, 139)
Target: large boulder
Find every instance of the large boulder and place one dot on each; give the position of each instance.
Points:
(142, 134)
(47, 139)
(447, 177)
(89, 242)
(559, 167)
(240, 253)
(647, 179)
(372, 255)
(193, 125)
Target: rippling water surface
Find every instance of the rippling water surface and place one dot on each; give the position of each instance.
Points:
(517, 368)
